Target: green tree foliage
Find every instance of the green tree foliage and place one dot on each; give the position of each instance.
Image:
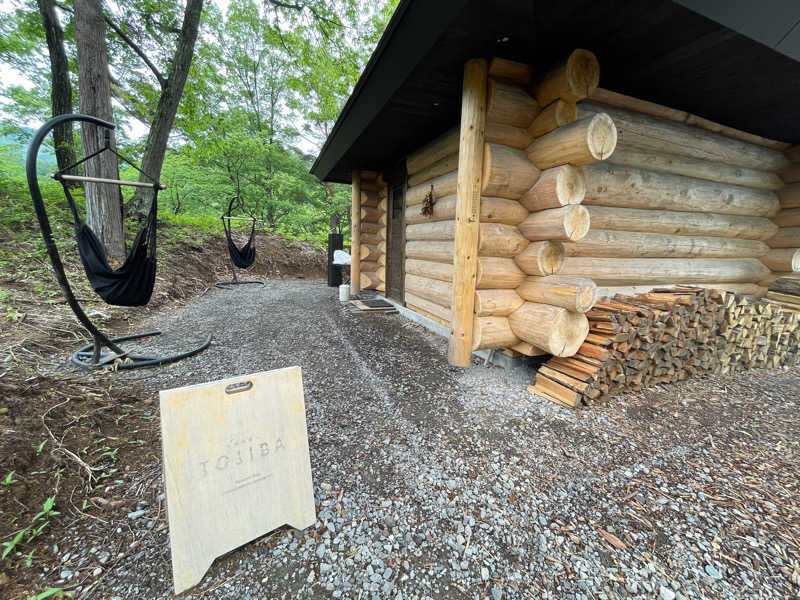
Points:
(330, 42)
(266, 84)
(23, 49)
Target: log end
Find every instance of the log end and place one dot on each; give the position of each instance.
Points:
(570, 185)
(583, 73)
(541, 258)
(601, 136)
(569, 334)
(566, 112)
(557, 330)
(559, 186)
(586, 296)
(556, 114)
(551, 257)
(576, 222)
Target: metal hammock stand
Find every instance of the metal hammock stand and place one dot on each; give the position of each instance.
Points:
(242, 257)
(92, 355)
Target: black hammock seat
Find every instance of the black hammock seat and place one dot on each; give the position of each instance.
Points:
(130, 285)
(243, 257)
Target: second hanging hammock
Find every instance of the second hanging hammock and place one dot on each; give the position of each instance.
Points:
(245, 256)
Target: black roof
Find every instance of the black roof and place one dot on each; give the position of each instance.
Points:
(736, 62)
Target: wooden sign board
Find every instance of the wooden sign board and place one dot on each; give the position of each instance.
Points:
(236, 466)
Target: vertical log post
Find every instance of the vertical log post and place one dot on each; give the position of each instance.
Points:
(355, 236)
(468, 208)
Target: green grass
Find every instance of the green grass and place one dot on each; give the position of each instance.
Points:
(184, 227)
(206, 223)
(18, 215)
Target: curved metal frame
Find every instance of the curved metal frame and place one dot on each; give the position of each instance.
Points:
(81, 356)
(224, 285)
(91, 355)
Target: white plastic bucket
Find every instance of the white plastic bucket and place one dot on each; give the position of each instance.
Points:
(344, 292)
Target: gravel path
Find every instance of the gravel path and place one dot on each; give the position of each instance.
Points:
(433, 482)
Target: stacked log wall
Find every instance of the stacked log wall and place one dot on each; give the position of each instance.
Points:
(783, 257)
(669, 199)
(586, 193)
(680, 201)
(529, 203)
(430, 207)
(525, 208)
(373, 231)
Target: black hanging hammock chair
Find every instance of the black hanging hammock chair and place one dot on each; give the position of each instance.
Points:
(130, 285)
(243, 257)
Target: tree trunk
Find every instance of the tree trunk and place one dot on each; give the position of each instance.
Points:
(60, 87)
(103, 201)
(156, 144)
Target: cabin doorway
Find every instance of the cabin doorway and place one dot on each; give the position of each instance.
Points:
(395, 251)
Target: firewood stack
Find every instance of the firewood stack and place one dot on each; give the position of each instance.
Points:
(784, 257)
(786, 291)
(668, 335)
(757, 333)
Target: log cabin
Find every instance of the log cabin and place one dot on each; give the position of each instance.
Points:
(514, 161)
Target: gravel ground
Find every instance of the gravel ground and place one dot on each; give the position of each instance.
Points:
(434, 482)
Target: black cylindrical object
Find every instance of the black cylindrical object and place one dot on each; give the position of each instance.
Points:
(335, 242)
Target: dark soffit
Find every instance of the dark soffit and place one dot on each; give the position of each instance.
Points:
(408, 37)
(656, 50)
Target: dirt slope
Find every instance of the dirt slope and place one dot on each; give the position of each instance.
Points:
(66, 434)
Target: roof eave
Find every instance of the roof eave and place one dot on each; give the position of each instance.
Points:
(403, 44)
